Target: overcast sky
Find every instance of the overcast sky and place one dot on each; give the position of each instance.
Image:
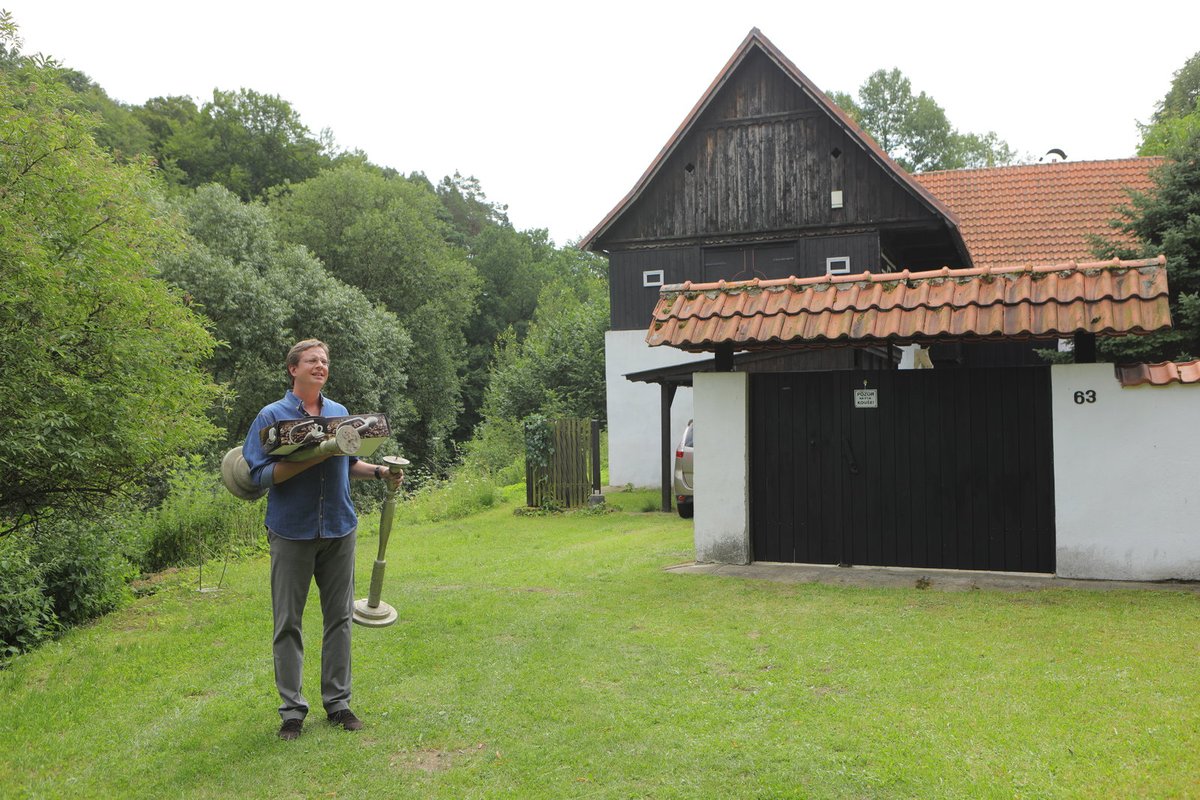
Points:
(559, 107)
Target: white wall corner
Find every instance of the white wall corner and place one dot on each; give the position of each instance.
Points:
(1126, 462)
(722, 467)
(634, 409)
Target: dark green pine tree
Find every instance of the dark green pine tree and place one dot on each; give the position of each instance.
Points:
(1167, 221)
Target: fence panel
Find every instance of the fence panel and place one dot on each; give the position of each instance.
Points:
(563, 475)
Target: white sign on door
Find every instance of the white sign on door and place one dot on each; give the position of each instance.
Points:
(866, 398)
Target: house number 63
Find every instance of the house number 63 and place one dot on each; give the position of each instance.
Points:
(1082, 397)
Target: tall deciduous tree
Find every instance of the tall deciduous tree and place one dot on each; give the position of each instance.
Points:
(99, 359)
(246, 141)
(262, 295)
(914, 129)
(386, 236)
(1177, 116)
(558, 368)
(468, 207)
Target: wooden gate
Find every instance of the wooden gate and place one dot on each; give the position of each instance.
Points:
(948, 468)
(562, 463)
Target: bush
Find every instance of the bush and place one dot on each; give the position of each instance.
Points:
(84, 570)
(498, 448)
(197, 518)
(463, 494)
(26, 613)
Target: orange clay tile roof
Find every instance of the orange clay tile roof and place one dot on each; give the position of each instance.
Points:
(1038, 213)
(1159, 374)
(975, 304)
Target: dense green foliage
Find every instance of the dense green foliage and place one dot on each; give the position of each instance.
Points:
(385, 236)
(236, 262)
(150, 296)
(914, 129)
(553, 369)
(197, 521)
(101, 360)
(512, 265)
(1165, 221)
(247, 142)
(1177, 117)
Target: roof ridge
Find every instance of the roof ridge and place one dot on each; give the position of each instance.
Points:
(907, 275)
(1039, 165)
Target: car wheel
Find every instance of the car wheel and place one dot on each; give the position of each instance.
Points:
(685, 509)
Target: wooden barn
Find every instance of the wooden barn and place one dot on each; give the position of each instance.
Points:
(765, 178)
(743, 247)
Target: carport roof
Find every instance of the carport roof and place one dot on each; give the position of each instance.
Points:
(1106, 298)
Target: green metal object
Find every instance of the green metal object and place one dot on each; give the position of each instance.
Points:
(371, 611)
(235, 473)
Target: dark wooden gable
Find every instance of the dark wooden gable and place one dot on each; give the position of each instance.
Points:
(759, 158)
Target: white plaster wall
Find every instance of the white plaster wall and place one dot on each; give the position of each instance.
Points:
(634, 427)
(1126, 477)
(722, 467)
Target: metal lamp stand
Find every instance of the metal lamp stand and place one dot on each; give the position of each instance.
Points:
(371, 611)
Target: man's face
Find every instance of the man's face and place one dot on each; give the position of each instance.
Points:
(313, 369)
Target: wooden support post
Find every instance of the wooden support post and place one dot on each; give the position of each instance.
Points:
(723, 358)
(667, 395)
(1085, 348)
(595, 442)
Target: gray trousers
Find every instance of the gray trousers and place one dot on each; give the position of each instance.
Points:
(294, 565)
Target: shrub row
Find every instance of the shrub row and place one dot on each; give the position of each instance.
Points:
(67, 571)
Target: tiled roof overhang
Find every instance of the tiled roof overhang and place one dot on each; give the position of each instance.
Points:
(1159, 374)
(1105, 298)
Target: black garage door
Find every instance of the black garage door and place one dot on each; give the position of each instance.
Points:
(948, 468)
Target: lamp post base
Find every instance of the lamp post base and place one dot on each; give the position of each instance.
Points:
(380, 616)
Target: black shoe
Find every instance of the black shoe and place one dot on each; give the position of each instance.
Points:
(290, 729)
(345, 719)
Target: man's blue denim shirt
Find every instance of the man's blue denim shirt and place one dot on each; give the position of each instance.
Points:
(315, 504)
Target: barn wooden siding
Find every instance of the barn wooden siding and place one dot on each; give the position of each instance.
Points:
(632, 302)
(763, 157)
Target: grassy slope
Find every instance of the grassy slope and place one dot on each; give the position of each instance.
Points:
(548, 657)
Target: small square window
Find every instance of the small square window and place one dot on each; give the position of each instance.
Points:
(652, 277)
(837, 265)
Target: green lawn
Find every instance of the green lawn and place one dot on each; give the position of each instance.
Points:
(552, 657)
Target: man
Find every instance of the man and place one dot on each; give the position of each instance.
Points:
(311, 528)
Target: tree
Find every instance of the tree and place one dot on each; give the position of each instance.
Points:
(1177, 116)
(558, 368)
(262, 295)
(1166, 221)
(100, 359)
(120, 131)
(246, 141)
(914, 130)
(513, 267)
(386, 236)
(163, 119)
(468, 208)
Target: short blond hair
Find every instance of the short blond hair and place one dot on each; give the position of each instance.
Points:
(298, 350)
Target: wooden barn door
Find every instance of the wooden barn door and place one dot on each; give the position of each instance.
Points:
(946, 468)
